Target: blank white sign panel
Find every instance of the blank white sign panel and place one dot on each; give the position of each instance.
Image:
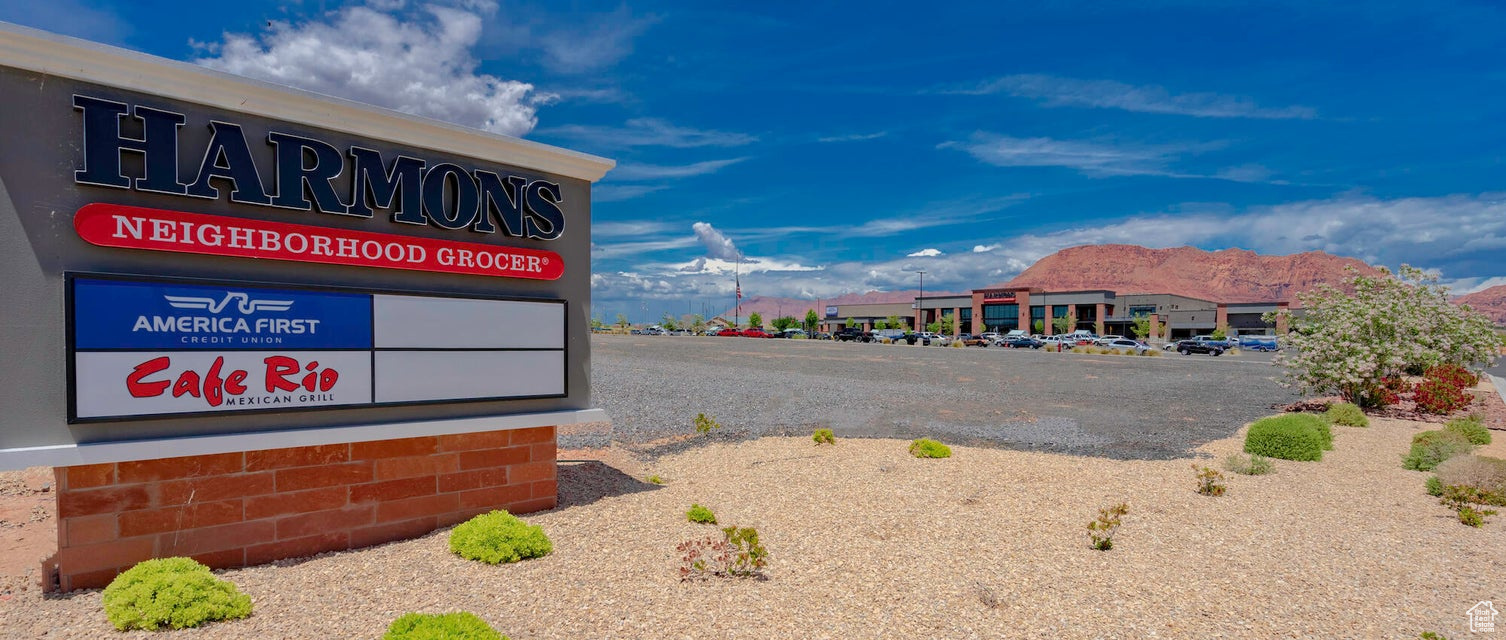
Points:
(417, 376)
(409, 322)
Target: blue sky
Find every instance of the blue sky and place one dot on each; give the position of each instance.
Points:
(840, 148)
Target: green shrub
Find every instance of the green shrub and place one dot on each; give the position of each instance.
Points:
(1347, 414)
(654, 479)
(499, 537)
(1101, 531)
(171, 592)
(824, 436)
(928, 448)
(1434, 485)
(700, 515)
(1487, 476)
(1431, 448)
(1248, 465)
(1471, 428)
(1325, 429)
(704, 425)
(1460, 498)
(461, 625)
(1292, 436)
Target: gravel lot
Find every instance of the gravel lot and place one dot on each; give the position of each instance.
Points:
(1112, 406)
(867, 542)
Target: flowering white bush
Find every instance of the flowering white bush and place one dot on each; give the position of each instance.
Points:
(1346, 344)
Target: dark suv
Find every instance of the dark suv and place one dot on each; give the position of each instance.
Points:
(1186, 347)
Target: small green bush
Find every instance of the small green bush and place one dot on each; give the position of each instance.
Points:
(1460, 498)
(499, 537)
(704, 425)
(928, 448)
(1347, 414)
(1248, 465)
(1209, 481)
(1434, 485)
(1471, 428)
(654, 479)
(461, 625)
(1431, 448)
(700, 515)
(1325, 429)
(1292, 436)
(171, 592)
(824, 436)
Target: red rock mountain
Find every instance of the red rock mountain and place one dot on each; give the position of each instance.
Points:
(1230, 275)
(1491, 302)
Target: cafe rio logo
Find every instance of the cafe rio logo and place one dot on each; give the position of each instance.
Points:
(308, 174)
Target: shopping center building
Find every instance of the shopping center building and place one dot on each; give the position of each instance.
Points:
(1035, 310)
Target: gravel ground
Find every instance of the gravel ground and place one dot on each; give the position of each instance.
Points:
(867, 542)
(1113, 406)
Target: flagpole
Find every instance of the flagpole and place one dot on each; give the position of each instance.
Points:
(737, 307)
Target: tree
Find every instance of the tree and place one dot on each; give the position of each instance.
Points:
(597, 324)
(946, 325)
(1142, 327)
(811, 319)
(755, 321)
(879, 325)
(697, 324)
(669, 322)
(1062, 324)
(934, 327)
(1039, 326)
(1218, 334)
(785, 322)
(850, 323)
(895, 323)
(622, 321)
(1350, 344)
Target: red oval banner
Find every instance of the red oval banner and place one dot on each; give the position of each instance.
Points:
(111, 225)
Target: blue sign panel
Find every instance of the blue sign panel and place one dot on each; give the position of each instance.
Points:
(119, 314)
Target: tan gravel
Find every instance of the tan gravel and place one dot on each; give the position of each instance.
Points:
(868, 542)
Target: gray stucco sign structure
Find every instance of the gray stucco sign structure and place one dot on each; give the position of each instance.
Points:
(196, 263)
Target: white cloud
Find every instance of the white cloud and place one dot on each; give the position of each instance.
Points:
(418, 62)
(1462, 286)
(649, 132)
(856, 137)
(1426, 232)
(1091, 158)
(590, 44)
(717, 245)
(924, 253)
(1055, 91)
(633, 172)
(630, 228)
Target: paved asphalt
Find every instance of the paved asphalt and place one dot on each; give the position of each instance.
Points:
(1113, 406)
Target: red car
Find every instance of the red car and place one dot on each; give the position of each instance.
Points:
(754, 333)
(728, 332)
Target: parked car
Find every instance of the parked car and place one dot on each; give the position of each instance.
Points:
(1125, 343)
(1210, 347)
(992, 336)
(1259, 343)
(730, 332)
(1058, 342)
(754, 332)
(1104, 341)
(971, 340)
(928, 338)
(908, 337)
(1022, 342)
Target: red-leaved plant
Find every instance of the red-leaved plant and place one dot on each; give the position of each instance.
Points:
(1440, 397)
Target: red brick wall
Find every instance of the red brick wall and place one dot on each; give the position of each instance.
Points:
(237, 509)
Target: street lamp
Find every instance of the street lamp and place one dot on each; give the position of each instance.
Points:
(921, 305)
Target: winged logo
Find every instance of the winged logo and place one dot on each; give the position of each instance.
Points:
(247, 305)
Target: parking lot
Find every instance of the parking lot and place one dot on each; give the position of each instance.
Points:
(1112, 406)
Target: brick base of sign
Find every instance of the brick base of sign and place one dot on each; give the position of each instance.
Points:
(237, 509)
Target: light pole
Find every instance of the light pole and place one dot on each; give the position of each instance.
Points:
(921, 305)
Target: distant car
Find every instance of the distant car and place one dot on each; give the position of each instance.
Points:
(971, 340)
(1125, 343)
(754, 332)
(1057, 342)
(1022, 342)
(1259, 343)
(928, 338)
(1188, 347)
(730, 332)
(992, 336)
(821, 335)
(1105, 340)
